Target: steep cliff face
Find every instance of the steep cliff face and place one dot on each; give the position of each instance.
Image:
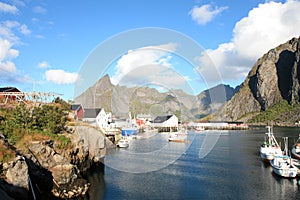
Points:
(273, 78)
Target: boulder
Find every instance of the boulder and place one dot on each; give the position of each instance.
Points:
(16, 175)
(62, 171)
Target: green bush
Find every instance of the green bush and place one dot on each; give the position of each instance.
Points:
(22, 120)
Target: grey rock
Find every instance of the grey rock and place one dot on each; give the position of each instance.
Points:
(273, 78)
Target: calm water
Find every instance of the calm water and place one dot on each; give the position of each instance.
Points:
(231, 170)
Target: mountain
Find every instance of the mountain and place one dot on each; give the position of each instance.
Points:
(273, 79)
(121, 99)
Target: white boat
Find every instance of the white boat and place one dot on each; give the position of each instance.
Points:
(200, 128)
(283, 166)
(270, 147)
(123, 143)
(296, 149)
(179, 136)
(176, 138)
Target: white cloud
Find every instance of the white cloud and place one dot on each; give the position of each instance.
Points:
(9, 30)
(43, 64)
(265, 27)
(6, 31)
(156, 75)
(148, 55)
(39, 10)
(205, 13)
(4, 7)
(6, 54)
(24, 29)
(61, 77)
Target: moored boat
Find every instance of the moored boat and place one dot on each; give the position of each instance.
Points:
(270, 147)
(127, 131)
(176, 138)
(296, 149)
(283, 166)
(123, 143)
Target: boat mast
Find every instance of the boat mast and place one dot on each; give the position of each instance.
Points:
(285, 139)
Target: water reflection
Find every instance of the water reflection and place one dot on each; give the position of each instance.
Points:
(96, 177)
(232, 170)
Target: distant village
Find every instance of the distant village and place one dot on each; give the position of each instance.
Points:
(111, 125)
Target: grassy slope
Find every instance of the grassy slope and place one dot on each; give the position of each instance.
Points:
(281, 112)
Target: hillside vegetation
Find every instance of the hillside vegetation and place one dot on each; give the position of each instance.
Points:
(279, 113)
(21, 124)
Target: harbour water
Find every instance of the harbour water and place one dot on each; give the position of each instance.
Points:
(231, 170)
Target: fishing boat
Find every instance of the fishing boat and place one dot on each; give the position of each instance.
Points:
(176, 138)
(130, 127)
(283, 165)
(296, 149)
(123, 143)
(127, 131)
(270, 147)
(179, 136)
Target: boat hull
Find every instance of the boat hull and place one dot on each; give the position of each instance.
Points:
(284, 168)
(176, 140)
(295, 154)
(266, 157)
(128, 132)
(268, 153)
(123, 144)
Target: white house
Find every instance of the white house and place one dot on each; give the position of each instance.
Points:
(165, 121)
(97, 116)
(102, 119)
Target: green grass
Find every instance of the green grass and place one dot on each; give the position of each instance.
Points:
(280, 112)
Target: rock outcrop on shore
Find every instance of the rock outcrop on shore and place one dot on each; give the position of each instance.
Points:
(55, 173)
(16, 177)
(274, 78)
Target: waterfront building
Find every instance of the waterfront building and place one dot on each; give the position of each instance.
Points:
(165, 123)
(97, 117)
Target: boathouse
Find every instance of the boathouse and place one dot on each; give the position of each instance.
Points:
(165, 123)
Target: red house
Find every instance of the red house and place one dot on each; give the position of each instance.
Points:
(78, 111)
(8, 93)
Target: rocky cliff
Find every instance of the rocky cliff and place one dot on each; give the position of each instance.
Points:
(54, 172)
(274, 78)
(121, 99)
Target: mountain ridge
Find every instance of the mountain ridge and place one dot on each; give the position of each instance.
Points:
(121, 99)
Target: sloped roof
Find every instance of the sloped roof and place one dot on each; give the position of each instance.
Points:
(161, 119)
(75, 107)
(9, 89)
(91, 112)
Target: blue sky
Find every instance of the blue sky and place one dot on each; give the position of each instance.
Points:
(45, 44)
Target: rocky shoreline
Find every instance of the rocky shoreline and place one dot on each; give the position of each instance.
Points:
(43, 171)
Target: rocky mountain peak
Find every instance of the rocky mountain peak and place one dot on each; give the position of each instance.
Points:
(273, 78)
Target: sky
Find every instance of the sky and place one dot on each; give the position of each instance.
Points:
(65, 46)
